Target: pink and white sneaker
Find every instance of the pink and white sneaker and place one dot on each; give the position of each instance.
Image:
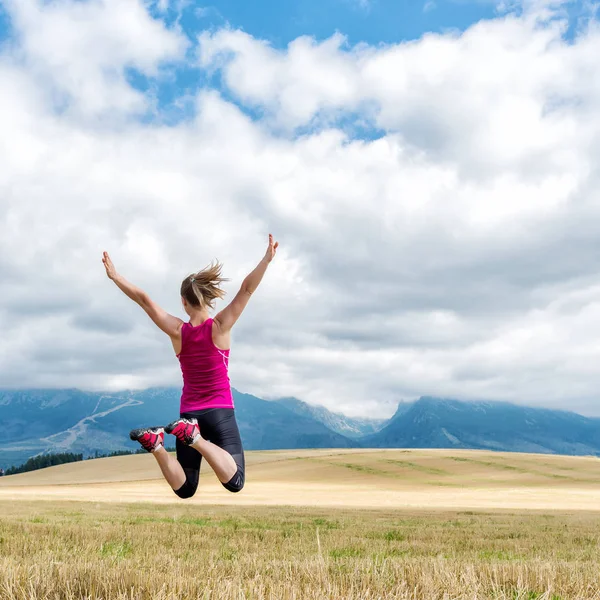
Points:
(150, 438)
(185, 430)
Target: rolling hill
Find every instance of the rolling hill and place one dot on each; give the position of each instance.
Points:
(356, 478)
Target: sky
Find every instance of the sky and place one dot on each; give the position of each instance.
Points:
(430, 170)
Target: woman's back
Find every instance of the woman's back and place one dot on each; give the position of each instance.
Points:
(205, 369)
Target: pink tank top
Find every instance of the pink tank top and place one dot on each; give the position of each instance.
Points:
(205, 370)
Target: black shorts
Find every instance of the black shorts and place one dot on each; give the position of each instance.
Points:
(217, 425)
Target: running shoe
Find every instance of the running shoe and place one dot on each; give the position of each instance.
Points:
(150, 438)
(185, 430)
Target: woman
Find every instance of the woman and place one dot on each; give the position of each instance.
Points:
(207, 426)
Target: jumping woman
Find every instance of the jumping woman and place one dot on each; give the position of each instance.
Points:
(207, 426)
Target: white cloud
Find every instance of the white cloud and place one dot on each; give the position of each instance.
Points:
(456, 255)
(81, 51)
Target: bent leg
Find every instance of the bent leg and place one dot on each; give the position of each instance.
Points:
(220, 460)
(170, 467)
(188, 460)
(236, 483)
(224, 451)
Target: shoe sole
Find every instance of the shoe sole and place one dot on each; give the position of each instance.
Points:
(135, 434)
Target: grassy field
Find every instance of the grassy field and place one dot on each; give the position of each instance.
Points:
(310, 525)
(74, 551)
(409, 479)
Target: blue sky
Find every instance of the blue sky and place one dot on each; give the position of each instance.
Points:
(374, 22)
(4, 23)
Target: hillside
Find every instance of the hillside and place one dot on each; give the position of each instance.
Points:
(390, 479)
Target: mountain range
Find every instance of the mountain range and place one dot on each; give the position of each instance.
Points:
(444, 423)
(38, 421)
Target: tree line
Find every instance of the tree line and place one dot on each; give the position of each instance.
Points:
(43, 461)
(49, 460)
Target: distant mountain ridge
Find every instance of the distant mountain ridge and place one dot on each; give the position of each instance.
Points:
(438, 423)
(351, 427)
(38, 421)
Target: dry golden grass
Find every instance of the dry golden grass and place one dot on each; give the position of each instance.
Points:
(86, 551)
(316, 535)
(340, 478)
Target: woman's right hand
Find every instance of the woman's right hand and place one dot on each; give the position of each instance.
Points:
(111, 272)
(271, 249)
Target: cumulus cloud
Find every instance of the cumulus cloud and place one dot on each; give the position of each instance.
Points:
(450, 250)
(82, 51)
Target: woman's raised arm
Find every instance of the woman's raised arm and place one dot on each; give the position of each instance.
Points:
(162, 319)
(226, 319)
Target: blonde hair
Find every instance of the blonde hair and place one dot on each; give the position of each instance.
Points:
(201, 289)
